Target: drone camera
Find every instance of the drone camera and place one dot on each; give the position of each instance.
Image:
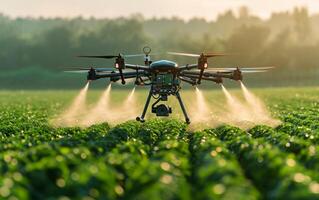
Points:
(162, 110)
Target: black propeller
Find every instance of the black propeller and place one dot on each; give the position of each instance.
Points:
(241, 69)
(207, 55)
(202, 60)
(118, 56)
(105, 57)
(86, 69)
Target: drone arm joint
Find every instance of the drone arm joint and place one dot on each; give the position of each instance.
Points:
(188, 67)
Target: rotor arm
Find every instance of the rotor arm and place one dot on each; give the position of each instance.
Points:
(188, 80)
(136, 67)
(197, 73)
(234, 75)
(125, 75)
(188, 67)
(214, 79)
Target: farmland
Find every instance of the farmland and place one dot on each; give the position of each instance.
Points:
(160, 159)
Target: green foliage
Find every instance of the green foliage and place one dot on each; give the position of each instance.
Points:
(159, 159)
(216, 172)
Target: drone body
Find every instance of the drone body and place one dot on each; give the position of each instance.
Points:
(164, 77)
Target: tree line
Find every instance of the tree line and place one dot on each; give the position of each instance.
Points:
(287, 40)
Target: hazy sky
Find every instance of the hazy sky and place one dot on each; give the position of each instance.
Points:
(149, 8)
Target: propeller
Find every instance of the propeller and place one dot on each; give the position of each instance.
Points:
(207, 55)
(86, 69)
(253, 71)
(118, 56)
(231, 71)
(105, 57)
(202, 60)
(76, 71)
(241, 68)
(111, 56)
(134, 55)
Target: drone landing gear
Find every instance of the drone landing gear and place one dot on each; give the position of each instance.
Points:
(183, 108)
(141, 119)
(162, 110)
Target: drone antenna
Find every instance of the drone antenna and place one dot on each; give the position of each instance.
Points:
(147, 50)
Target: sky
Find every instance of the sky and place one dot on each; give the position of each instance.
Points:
(186, 9)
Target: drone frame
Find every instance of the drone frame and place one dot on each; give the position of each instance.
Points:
(192, 74)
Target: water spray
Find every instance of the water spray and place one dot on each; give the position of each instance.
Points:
(229, 97)
(238, 112)
(72, 116)
(253, 101)
(129, 107)
(104, 111)
(258, 108)
(201, 113)
(130, 97)
(100, 112)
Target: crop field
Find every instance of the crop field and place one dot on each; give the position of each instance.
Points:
(162, 158)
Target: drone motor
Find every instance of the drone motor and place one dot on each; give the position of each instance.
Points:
(91, 75)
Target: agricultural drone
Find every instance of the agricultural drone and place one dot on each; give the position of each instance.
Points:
(164, 77)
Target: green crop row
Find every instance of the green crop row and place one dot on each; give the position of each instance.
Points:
(260, 159)
(305, 151)
(216, 173)
(159, 159)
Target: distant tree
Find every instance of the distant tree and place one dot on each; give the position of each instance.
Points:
(113, 36)
(54, 48)
(288, 40)
(248, 40)
(243, 12)
(302, 24)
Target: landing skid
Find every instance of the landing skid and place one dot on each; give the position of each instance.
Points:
(141, 119)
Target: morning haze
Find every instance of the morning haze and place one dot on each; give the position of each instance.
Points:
(186, 9)
(35, 51)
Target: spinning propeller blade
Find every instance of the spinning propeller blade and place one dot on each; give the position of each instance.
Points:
(253, 71)
(141, 55)
(184, 54)
(240, 68)
(86, 69)
(105, 57)
(134, 55)
(76, 71)
(208, 55)
(117, 56)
